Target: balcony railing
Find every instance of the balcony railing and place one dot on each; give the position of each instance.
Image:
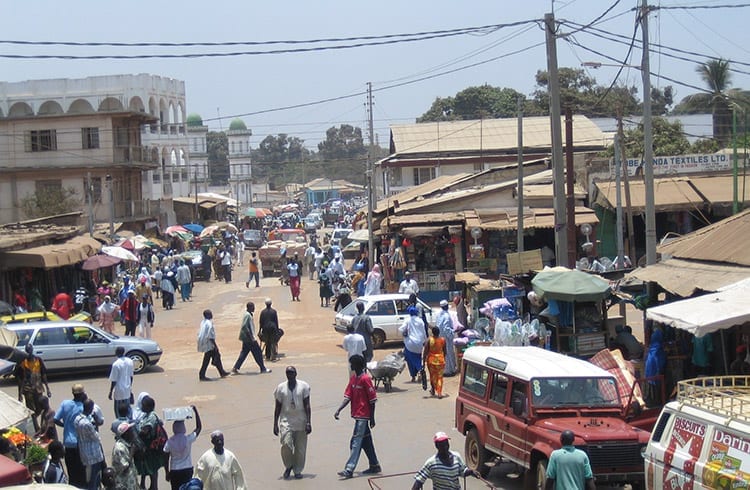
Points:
(132, 154)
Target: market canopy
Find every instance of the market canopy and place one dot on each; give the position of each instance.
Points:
(12, 411)
(708, 313)
(51, 256)
(562, 284)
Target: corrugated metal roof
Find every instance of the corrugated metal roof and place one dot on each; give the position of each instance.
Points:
(685, 277)
(539, 218)
(547, 191)
(417, 191)
(487, 134)
(718, 189)
(426, 219)
(670, 194)
(724, 242)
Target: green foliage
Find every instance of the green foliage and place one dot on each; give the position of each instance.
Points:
(217, 145)
(49, 202)
(281, 159)
(705, 145)
(482, 102)
(35, 454)
(661, 100)
(669, 139)
(343, 153)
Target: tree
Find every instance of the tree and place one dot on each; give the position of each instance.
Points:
(480, 102)
(344, 154)
(50, 201)
(669, 139)
(704, 145)
(661, 100)
(281, 159)
(217, 145)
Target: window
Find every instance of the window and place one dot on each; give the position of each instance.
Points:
(382, 308)
(42, 140)
(48, 186)
(232, 146)
(89, 138)
(475, 379)
(156, 178)
(499, 389)
(54, 336)
(519, 393)
(423, 174)
(397, 178)
(195, 144)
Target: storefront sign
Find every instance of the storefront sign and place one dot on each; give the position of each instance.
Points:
(680, 164)
(522, 262)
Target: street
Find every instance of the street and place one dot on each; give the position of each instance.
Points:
(242, 405)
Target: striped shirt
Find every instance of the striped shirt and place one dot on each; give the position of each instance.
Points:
(444, 477)
(89, 444)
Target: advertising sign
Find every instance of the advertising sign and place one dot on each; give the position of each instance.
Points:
(680, 164)
(728, 464)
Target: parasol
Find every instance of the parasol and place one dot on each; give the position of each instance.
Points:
(225, 225)
(193, 227)
(563, 284)
(127, 244)
(208, 231)
(120, 253)
(256, 213)
(174, 229)
(99, 261)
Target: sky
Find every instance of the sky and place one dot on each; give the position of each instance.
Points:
(406, 77)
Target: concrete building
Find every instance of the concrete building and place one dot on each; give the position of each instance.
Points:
(117, 141)
(240, 163)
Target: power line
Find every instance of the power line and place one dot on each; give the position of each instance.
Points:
(702, 7)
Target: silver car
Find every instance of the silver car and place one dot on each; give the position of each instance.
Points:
(387, 312)
(80, 347)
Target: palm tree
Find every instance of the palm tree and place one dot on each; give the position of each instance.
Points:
(715, 73)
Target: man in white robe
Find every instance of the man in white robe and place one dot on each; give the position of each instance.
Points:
(218, 468)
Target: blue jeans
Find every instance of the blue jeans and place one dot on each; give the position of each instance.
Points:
(361, 440)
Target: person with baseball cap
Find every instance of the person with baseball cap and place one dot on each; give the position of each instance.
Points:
(444, 468)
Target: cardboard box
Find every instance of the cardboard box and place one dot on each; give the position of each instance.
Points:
(521, 262)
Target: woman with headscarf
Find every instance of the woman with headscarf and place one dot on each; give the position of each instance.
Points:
(414, 338)
(434, 358)
(324, 283)
(655, 362)
(148, 460)
(179, 463)
(107, 313)
(138, 410)
(372, 283)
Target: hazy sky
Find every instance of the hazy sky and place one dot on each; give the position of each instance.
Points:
(239, 85)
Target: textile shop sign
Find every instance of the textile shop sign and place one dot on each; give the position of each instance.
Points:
(679, 164)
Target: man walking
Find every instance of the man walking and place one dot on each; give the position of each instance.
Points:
(354, 344)
(363, 326)
(445, 323)
(65, 417)
(569, 467)
(89, 445)
(360, 392)
(121, 377)
(253, 271)
(249, 342)
(292, 422)
(408, 285)
(184, 280)
(269, 330)
(129, 310)
(443, 468)
(218, 468)
(31, 374)
(207, 345)
(310, 261)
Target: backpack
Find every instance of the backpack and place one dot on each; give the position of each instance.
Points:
(160, 438)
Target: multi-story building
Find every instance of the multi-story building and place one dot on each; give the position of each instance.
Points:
(117, 143)
(240, 164)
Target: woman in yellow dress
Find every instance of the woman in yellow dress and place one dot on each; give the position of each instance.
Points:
(434, 359)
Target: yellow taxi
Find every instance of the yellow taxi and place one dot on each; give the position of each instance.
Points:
(41, 316)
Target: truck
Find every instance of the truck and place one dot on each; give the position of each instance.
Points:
(293, 240)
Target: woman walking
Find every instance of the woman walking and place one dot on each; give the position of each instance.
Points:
(325, 286)
(107, 311)
(295, 269)
(413, 332)
(434, 359)
(179, 463)
(372, 283)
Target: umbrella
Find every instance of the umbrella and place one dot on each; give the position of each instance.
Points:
(563, 284)
(224, 225)
(99, 261)
(195, 228)
(126, 244)
(256, 213)
(208, 231)
(171, 230)
(120, 253)
(362, 235)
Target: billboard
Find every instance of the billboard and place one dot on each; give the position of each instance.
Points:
(679, 164)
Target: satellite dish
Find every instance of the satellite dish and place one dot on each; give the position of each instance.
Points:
(476, 234)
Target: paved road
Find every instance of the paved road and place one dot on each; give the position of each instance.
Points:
(242, 405)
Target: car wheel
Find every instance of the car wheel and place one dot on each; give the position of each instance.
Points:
(536, 479)
(378, 339)
(140, 361)
(476, 455)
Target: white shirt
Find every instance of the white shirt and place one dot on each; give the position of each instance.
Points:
(414, 335)
(293, 416)
(354, 344)
(408, 286)
(180, 460)
(205, 335)
(122, 375)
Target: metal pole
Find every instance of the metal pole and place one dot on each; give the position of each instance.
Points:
(519, 185)
(620, 260)
(735, 196)
(561, 244)
(626, 182)
(111, 206)
(90, 204)
(570, 204)
(370, 181)
(648, 143)
(195, 211)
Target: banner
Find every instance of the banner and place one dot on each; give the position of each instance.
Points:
(680, 164)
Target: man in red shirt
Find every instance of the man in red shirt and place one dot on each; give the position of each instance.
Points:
(62, 305)
(360, 392)
(129, 309)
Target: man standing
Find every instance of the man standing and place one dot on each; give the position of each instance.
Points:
(89, 445)
(360, 392)
(129, 310)
(249, 342)
(207, 345)
(184, 280)
(226, 263)
(310, 261)
(253, 271)
(269, 330)
(363, 326)
(569, 467)
(443, 468)
(65, 417)
(121, 377)
(218, 468)
(408, 285)
(292, 422)
(353, 344)
(445, 323)
(62, 305)
(31, 374)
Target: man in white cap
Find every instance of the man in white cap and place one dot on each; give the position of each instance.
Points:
(408, 285)
(443, 468)
(218, 468)
(445, 323)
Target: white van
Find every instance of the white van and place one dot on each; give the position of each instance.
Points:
(702, 440)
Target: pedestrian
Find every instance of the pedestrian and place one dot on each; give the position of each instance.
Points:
(249, 342)
(656, 360)
(156, 280)
(207, 345)
(168, 288)
(62, 305)
(65, 417)
(218, 468)
(47, 428)
(54, 472)
(31, 375)
(373, 280)
(310, 261)
(270, 333)
(150, 458)
(363, 326)
(145, 318)
(445, 323)
(569, 467)
(130, 313)
(121, 381)
(292, 421)
(360, 392)
(408, 285)
(225, 257)
(434, 358)
(89, 446)
(295, 270)
(324, 285)
(123, 415)
(413, 331)
(184, 280)
(138, 412)
(343, 299)
(240, 252)
(107, 312)
(318, 258)
(123, 464)
(353, 344)
(144, 286)
(179, 464)
(253, 270)
(444, 468)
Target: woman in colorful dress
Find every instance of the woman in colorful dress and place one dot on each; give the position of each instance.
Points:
(108, 311)
(434, 359)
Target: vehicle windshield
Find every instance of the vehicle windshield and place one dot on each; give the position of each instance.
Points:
(575, 392)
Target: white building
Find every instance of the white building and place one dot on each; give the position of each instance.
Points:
(125, 132)
(240, 164)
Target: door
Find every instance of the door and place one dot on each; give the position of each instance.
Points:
(516, 424)
(93, 349)
(498, 411)
(56, 346)
(385, 317)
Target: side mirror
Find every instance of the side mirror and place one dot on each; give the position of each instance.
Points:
(517, 405)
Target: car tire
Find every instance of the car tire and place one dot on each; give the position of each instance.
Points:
(140, 361)
(536, 478)
(378, 339)
(477, 456)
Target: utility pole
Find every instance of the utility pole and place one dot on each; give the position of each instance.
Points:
(108, 179)
(519, 185)
(370, 179)
(196, 214)
(561, 244)
(570, 200)
(90, 204)
(620, 260)
(626, 180)
(648, 143)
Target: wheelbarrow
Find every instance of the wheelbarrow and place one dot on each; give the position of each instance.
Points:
(386, 370)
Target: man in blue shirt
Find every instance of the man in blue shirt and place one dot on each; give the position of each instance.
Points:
(569, 468)
(65, 418)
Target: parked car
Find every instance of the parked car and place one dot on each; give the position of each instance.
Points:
(387, 311)
(514, 402)
(310, 225)
(196, 258)
(253, 238)
(80, 347)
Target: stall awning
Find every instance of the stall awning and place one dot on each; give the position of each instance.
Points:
(50, 256)
(538, 218)
(684, 277)
(12, 411)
